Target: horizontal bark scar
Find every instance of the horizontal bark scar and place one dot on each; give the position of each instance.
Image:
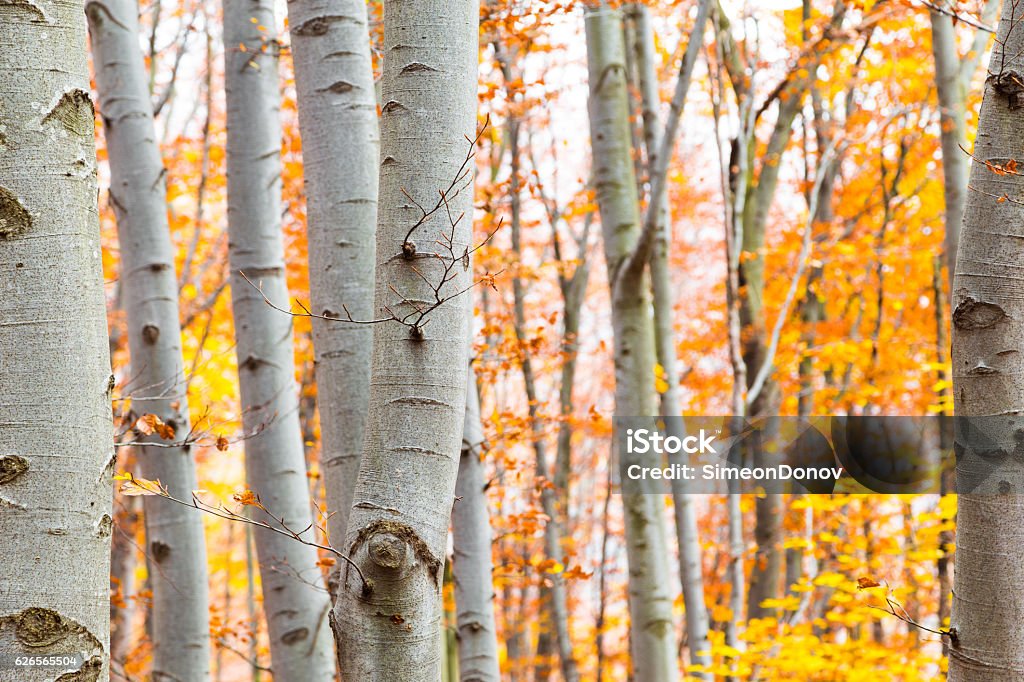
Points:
(295, 636)
(416, 67)
(25, 6)
(372, 505)
(318, 26)
(14, 217)
(74, 111)
(974, 314)
(419, 451)
(393, 107)
(417, 401)
(981, 369)
(339, 87)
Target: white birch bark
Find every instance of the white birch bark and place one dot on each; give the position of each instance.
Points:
(388, 612)
(340, 146)
(953, 127)
(175, 543)
(988, 379)
(690, 561)
(294, 599)
(55, 383)
(473, 565)
(650, 598)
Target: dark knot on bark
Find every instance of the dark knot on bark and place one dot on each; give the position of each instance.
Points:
(386, 550)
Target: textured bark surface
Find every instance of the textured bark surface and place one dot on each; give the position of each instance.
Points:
(387, 625)
(55, 383)
(179, 616)
(953, 132)
(988, 379)
(294, 599)
(690, 563)
(340, 146)
(650, 596)
(766, 575)
(473, 565)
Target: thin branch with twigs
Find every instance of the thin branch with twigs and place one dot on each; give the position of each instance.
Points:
(463, 178)
(417, 319)
(147, 487)
(957, 16)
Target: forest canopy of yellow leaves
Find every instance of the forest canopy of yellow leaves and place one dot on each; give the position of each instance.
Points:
(863, 568)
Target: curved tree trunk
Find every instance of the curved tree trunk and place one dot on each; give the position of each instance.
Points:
(55, 381)
(295, 602)
(338, 122)
(473, 566)
(174, 534)
(388, 612)
(650, 598)
(988, 605)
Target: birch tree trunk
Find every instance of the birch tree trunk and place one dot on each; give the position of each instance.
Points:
(988, 605)
(766, 574)
(553, 598)
(175, 541)
(953, 127)
(473, 566)
(388, 611)
(295, 602)
(951, 85)
(55, 382)
(338, 122)
(650, 598)
(690, 560)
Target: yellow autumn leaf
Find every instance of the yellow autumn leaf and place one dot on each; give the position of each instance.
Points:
(134, 486)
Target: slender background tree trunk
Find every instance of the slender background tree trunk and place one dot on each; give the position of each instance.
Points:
(180, 617)
(650, 597)
(663, 297)
(294, 599)
(953, 131)
(340, 146)
(473, 566)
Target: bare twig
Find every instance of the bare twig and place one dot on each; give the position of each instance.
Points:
(957, 16)
(419, 317)
(247, 499)
(463, 177)
(255, 664)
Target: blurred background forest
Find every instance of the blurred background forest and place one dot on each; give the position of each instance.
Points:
(857, 292)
